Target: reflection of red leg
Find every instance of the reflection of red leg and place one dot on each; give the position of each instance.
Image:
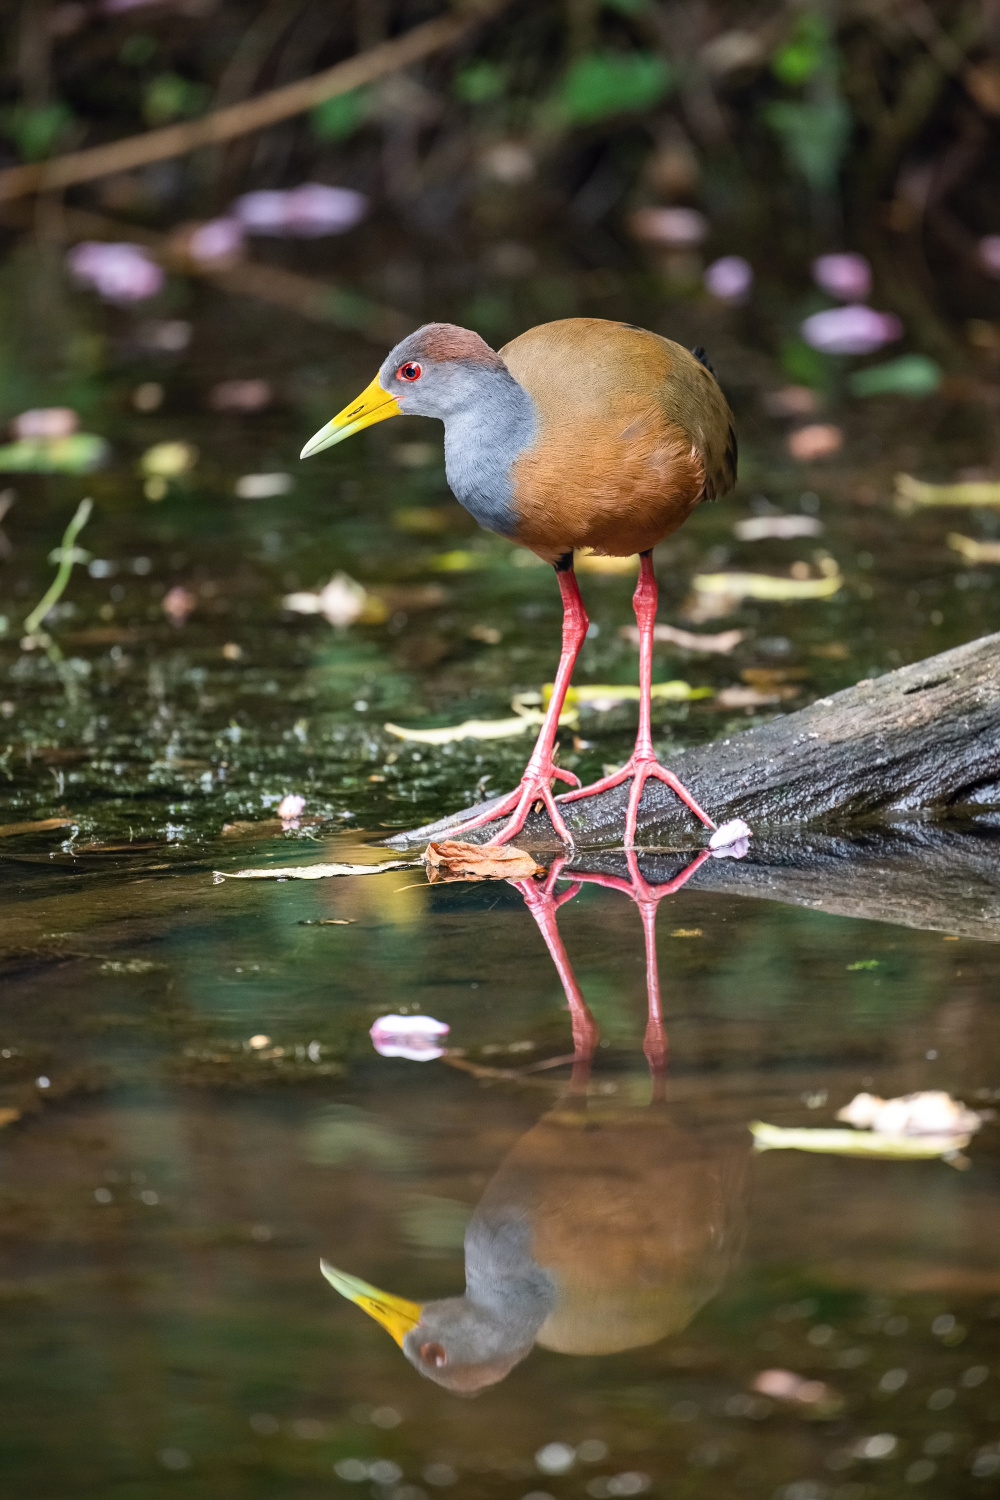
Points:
(538, 773)
(543, 905)
(647, 898)
(642, 763)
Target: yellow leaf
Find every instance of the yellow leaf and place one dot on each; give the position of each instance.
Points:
(766, 586)
(973, 551)
(912, 492)
(855, 1142)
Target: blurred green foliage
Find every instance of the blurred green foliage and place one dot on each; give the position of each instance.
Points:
(806, 51)
(600, 85)
(169, 96)
(909, 375)
(814, 136)
(480, 83)
(338, 118)
(38, 131)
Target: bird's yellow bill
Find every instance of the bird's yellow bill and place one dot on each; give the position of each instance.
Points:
(373, 405)
(394, 1313)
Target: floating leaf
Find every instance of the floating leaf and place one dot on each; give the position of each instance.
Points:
(312, 872)
(608, 83)
(765, 586)
(79, 453)
(973, 551)
(474, 729)
(912, 492)
(603, 696)
(909, 375)
(451, 859)
(855, 1142)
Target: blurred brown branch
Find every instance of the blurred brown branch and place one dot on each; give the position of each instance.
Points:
(249, 115)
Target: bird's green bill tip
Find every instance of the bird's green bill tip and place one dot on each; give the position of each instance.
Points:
(325, 438)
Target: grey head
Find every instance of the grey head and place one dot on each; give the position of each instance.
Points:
(463, 1346)
(450, 373)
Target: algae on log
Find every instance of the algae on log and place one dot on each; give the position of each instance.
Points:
(924, 740)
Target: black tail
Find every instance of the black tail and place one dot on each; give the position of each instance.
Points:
(702, 357)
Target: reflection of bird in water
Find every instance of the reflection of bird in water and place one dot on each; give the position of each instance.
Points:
(580, 433)
(604, 1229)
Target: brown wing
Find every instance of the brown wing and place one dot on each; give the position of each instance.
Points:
(633, 433)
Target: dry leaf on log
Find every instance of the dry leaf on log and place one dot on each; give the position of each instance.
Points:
(451, 859)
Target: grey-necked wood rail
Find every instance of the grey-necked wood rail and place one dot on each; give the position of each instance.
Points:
(604, 1229)
(582, 433)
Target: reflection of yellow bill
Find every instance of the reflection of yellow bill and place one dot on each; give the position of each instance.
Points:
(373, 405)
(394, 1313)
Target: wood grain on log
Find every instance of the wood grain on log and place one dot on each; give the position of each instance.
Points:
(920, 742)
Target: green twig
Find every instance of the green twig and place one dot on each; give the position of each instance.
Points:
(66, 554)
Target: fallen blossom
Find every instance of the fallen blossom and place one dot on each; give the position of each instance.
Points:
(973, 551)
(791, 401)
(989, 254)
(912, 492)
(291, 807)
(119, 273)
(265, 487)
(313, 872)
(761, 528)
(307, 211)
(452, 859)
(413, 1037)
(178, 603)
(741, 696)
(855, 329)
(845, 275)
(868, 1143)
(731, 840)
(240, 395)
(689, 640)
(729, 278)
(818, 440)
(765, 586)
(219, 242)
(785, 1385)
(46, 422)
(342, 601)
(930, 1112)
(680, 228)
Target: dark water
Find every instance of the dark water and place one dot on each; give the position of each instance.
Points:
(168, 1191)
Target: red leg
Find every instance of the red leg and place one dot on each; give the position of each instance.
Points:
(543, 905)
(642, 763)
(538, 773)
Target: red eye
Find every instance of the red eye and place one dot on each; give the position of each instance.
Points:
(409, 371)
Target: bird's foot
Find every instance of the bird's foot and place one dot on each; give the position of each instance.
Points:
(535, 788)
(640, 766)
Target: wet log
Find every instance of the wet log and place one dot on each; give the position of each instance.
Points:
(921, 742)
(937, 877)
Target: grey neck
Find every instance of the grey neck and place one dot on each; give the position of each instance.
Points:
(502, 1278)
(481, 442)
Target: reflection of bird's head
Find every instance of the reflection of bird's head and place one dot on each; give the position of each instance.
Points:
(454, 1342)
